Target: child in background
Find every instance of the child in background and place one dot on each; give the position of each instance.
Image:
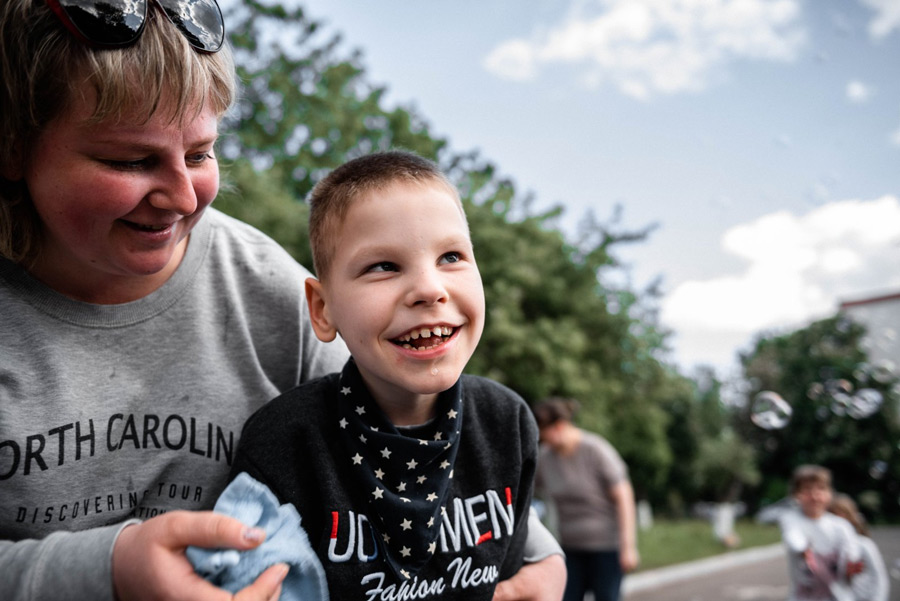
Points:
(410, 478)
(871, 583)
(821, 546)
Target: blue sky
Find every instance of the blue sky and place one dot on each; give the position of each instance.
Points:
(762, 136)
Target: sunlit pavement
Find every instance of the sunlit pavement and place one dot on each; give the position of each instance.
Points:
(749, 575)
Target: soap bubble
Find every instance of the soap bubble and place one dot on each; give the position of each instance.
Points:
(883, 371)
(861, 373)
(878, 469)
(815, 391)
(769, 411)
(841, 403)
(865, 403)
(834, 387)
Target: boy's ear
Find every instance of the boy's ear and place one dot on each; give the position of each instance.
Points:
(318, 311)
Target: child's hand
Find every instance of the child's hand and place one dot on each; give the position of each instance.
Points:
(544, 580)
(854, 568)
(149, 560)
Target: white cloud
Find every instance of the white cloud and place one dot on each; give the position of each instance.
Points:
(858, 92)
(798, 268)
(647, 47)
(886, 19)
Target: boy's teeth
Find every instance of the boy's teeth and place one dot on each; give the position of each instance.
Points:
(426, 333)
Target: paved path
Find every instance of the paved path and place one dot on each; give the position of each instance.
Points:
(750, 575)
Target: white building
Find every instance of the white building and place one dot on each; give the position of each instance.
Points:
(881, 317)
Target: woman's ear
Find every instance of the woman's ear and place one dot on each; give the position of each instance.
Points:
(318, 311)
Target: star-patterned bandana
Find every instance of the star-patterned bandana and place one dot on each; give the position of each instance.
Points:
(405, 477)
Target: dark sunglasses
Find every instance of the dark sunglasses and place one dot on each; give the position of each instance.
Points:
(116, 23)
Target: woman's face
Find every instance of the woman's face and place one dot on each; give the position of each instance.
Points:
(553, 435)
(117, 200)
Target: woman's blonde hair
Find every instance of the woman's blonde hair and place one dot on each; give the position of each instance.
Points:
(44, 69)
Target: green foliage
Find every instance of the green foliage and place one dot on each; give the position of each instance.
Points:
(552, 326)
(258, 198)
(799, 366)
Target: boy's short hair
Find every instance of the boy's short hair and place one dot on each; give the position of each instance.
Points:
(43, 66)
(810, 474)
(555, 409)
(331, 198)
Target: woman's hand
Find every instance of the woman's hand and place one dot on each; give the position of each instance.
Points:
(149, 561)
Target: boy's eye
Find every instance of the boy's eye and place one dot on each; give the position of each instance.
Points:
(451, 257)
(383, 266)
(200, 157)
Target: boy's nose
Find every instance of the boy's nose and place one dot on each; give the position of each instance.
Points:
(427, 288)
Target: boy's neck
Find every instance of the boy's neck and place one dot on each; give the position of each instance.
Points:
(413, 411)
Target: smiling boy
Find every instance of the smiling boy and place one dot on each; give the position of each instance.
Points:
(821, 546)
(412, 480)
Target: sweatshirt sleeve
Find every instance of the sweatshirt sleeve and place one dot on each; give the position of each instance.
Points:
(64, 566)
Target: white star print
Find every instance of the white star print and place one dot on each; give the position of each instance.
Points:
(345, 390)
(360, 410)
(431, 497)
(343, 423)
(405, 574)
(357, 459)
(386, 538)
(378, 493)
(438, 435)
(406, 525)
(422, 441)
(362, 438)
(432, 548)
(448, 445)
(386, 453)
(452, 414)
(405, 500)
(402, 487)
(445, 464)
(421, 479)
(431, 521)
(373, 429)
(405, 551)
(451, 473)
(379, 474)
(411, 464)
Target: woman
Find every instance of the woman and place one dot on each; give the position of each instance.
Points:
(587, 482)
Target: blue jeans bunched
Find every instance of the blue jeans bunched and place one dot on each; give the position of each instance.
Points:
(596, 571)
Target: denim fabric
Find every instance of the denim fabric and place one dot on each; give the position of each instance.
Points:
(253, 503)
(595, 571)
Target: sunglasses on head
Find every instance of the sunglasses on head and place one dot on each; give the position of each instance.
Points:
(117, 23)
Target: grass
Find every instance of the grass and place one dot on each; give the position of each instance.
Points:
(671, 542)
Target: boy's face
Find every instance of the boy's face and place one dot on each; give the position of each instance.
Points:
(403, 291)
(814, 498)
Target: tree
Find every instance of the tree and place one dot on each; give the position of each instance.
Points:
(817, 370)
(552, 327)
